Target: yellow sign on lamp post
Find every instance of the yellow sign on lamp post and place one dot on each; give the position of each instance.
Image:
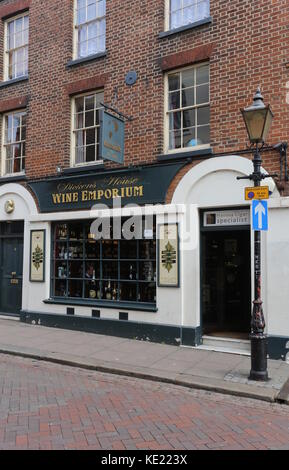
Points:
(258, 192)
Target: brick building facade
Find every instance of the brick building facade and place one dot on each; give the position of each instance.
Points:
(244, 44)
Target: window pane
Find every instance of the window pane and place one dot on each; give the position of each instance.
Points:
(92, 46)
(174, 100)
(17, 165)
(203, 135)
(189, 15)
(101, 27)
(202, 94)
(188, 97)
(203, 9)
(202, 75)
(188, 78)
(175, 4)
(101, 8)
(18, 25)
(90, 137)
(91, 10)
(101, 44)
(174, 82)
(175, 120)
(176, 19)
(90, 153)
(79, 104)
(189, 118)
(89, 102)
(175, 141)
(81, 15)
(79, 155)
(189, 137)
(203, 115)
(79, 121)
(89, 119)
(23, 133)
(92, 30)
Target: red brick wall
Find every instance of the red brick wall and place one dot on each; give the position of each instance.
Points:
(250, 47)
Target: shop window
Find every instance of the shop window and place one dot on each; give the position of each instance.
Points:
(16, 47)
(188, 109)
(184, 12)
(86, 130)
(90, 26)
(14, 149)
(104, 270)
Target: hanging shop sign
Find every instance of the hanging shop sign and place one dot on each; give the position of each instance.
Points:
(141, 185)
(37, 256)
(168, 255)
(112, 138)
(227, 218)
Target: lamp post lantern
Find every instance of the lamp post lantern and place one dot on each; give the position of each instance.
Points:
(258, 119)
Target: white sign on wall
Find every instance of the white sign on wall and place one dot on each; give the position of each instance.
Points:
(227, 218)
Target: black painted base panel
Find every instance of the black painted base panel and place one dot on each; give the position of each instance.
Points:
(166, 334)
(278, 346)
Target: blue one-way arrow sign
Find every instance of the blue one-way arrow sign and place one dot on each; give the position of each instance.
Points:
(260, 215)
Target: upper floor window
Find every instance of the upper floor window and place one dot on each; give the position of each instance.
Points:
(16, 49)
(188, 108)
(90, 27)
(183, 12)
(86, 129)
(13, 154)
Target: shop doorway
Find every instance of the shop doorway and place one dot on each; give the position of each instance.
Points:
(226, 282)
(11, 267)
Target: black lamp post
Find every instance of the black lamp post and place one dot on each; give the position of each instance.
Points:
(258, 119)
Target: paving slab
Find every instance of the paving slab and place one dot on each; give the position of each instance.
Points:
(190, 367)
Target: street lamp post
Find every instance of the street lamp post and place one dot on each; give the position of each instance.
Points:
(258, 119)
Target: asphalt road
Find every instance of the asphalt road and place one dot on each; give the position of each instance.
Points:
(48, 406)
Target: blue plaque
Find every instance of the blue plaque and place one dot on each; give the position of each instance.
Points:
(112, 138)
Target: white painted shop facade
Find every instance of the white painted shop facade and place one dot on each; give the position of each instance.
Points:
(184, 314)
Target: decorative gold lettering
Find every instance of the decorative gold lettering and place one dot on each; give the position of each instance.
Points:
(56, 198)
(138, 191)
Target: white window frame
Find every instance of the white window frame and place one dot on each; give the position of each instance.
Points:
(75, 34)
(166, 148)
(73, 163)
(4, 145)
(6, 50)
(168, 16)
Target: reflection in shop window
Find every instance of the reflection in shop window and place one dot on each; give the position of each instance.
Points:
(105, 270)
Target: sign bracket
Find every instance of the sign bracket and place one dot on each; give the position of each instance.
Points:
(122, 116)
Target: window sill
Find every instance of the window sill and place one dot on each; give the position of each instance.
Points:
(83, 169)
(200, 153)
(14, 81)
(83, 60)
(187, 27)
(104, 304)
(12, 178)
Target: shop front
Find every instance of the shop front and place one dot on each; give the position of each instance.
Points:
(177, 272)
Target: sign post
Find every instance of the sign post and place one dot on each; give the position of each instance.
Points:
(259, 370)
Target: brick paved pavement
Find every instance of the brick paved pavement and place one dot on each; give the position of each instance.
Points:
(48, 406)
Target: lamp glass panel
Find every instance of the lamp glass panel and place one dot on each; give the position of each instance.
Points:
(255, 121)
(268, 123)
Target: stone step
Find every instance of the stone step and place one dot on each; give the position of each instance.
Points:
(229, 345)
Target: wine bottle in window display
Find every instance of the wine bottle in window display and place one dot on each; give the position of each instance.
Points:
(92, 292)
(114, 293)
(108, 291)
